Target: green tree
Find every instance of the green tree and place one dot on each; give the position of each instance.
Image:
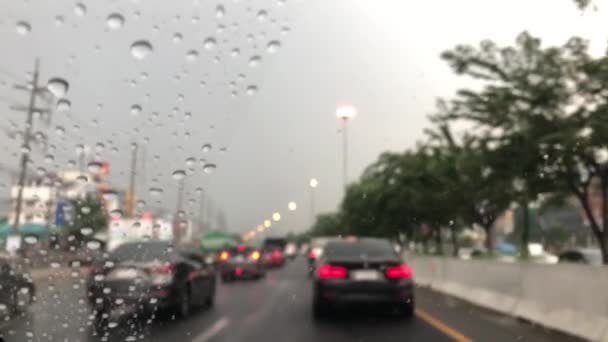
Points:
(328, 224)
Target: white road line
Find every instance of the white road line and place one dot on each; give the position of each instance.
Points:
(213, 330)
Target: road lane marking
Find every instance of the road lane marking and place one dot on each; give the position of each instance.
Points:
(215, 328)
(444, 328)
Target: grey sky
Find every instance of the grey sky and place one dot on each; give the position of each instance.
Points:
(378, 55)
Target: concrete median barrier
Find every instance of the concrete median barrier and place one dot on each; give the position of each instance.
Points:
(568, 298)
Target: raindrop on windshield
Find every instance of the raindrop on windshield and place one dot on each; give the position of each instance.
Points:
(285, 30)
(115, 21)
(255, 61)
(190, 161)
(155, 192)
(64, 105)
(86, 231)
(207, 148)
(262, 15)
(135, 109)
(199, 191)
(59, 130)
(220, 11)
(93, 245)
(177, 37)
(59, 20)
(178, 174)
(23, 28)
(191, 55)
(30, 239)
(58, 86)
(209, 168)
(141, 49)
(251, 90)
(273, 46)
(94, 167)
(80, 9)
(49, 158)
(209, 43)
(235, 52)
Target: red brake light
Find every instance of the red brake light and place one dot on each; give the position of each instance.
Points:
(240, 248)
(164, 268)
(276, 254)
(327, 271)
(402, 271)
(312, 255)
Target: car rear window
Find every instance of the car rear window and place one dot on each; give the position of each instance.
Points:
(140, 252)
(362, 248)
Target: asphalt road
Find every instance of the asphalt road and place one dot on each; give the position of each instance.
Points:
(276, 308)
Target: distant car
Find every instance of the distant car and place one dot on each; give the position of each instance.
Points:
(315, 251)
(148, 276)
(18, 290)
(360, 271)
(291, 250)
(273, 256)
(241, 262)
(586, 256)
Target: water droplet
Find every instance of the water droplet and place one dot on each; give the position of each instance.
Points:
(262, 15)
(49, 158)
(251, 90)
(58, 86)
(191, 55)
(80, 9)
(155, 192)
(285, 30)
(177, 37)
(86, 231)
(273, 46)
(190, 161)
(178, 174)
(93, 245)
(30, 239)
(255, 61)
(209, 168)
(59, 20)
(115, 21)
(220, 11)
(209, 43)
(94, 167)
(135, 109)
(64, 105)
(141, 49)
(59, 130)
(281, 2)
(206, 147)
(116, 213)
(235, 52)
(23, 28)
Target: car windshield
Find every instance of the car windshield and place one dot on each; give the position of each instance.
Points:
(364, 249)
(142, 252)
(462, 144)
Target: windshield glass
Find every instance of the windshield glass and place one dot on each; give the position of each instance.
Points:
(462, 144)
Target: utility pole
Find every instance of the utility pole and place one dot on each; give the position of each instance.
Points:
(177, 221)
(133, 175)
(25, 149)
(201, 211)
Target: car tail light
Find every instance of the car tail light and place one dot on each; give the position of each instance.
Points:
(255, 255)
(164, 268)
(312, 255)
(162, 274)
(327, 271)
(399, 272)
(224, 256)
(276, 254)
(240, 248)
(238, 271)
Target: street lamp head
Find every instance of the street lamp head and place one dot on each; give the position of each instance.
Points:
(292, 206)
(267, 223)
(276, 217)
(346, 112)
(314, 182)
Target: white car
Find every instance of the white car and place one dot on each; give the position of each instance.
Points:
(290, 250)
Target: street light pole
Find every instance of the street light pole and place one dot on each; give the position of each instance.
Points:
(345, 113)
(313, 185)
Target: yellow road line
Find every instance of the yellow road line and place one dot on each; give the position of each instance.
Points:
(444, 328)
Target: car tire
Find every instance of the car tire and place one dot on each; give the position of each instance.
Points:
(183, 303)
(320, 309)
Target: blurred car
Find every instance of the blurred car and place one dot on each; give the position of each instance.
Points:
(315, 251)
(273, 256)
(585, 256)
(291, 250)
(86, 255)
(241, 262)
(18, 290)
(148, 276)
(363, 271)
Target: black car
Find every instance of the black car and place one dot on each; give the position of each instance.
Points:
(362, 271)
(149, 276)
(241, 262)
(17, 289)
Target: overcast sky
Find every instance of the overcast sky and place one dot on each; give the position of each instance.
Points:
(380, 56)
